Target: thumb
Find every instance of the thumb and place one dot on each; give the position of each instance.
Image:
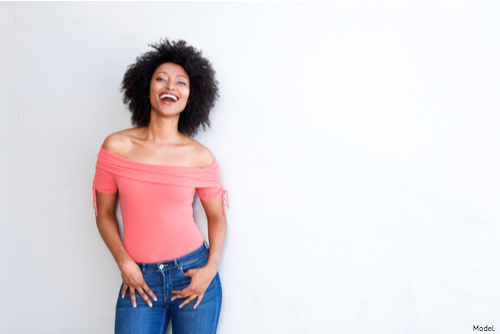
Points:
(190, 272)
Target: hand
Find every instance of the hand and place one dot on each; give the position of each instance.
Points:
(200, 280)
(133, 280)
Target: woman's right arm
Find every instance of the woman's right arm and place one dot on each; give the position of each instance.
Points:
(108, 228)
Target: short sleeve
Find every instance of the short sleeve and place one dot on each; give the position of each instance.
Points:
(104, 180)
(210, 193)
(212, 187)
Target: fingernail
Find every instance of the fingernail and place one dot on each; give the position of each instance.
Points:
(135, 305)
(150, 305)
(155, 299)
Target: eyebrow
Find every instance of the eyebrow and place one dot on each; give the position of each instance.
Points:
(179, 75)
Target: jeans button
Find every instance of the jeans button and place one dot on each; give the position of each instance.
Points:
(161, 266)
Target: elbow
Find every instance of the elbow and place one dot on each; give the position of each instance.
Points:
(217, 220)
(104, 217)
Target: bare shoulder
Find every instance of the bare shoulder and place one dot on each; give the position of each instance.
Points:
(120, 142)
(201, 155)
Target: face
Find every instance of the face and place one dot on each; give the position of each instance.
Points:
(169, 89)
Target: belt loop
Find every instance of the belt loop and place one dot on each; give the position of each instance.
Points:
(143, 267)
(206, 244)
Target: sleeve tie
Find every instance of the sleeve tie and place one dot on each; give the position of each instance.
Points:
(225, 200)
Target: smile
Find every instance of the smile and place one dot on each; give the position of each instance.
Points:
(166, 96)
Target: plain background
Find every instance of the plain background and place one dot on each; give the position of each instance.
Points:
(359, 143)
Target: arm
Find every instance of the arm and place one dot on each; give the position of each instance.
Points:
(216, 231)
(108, 228)
(202, 277)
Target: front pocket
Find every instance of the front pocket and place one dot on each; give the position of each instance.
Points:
(193, 265)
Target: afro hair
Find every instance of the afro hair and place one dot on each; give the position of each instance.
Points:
(203, 85)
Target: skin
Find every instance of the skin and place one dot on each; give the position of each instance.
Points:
(161, 143)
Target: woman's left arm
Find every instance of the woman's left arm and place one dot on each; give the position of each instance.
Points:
(202, 277)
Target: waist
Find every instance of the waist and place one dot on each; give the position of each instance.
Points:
(157, 240)
(181, 261)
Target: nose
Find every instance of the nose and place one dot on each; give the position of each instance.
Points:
(170, 84)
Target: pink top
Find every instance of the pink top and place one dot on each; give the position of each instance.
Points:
(156, 203)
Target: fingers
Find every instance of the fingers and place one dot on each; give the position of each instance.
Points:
(189, 295)
(187, 301)
(143, 291)
(133, 279)
(132, 297)
(200, 297)
(145, 297)
(149, 292)
(124, 290)
(184, 293)
(196, 289)
(179, 294)
(190, 299)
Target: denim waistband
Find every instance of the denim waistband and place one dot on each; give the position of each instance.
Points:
(176, 263)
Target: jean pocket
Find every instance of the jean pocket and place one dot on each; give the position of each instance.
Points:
(193, 265)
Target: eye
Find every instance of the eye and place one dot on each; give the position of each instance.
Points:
(182, 83)
(161, 79)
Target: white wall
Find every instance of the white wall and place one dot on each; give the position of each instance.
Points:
(359, 143)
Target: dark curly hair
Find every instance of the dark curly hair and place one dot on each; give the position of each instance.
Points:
(203, 85)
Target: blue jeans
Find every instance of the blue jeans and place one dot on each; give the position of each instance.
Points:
(162, 278)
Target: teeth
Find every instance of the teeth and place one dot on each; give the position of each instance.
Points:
(168, 96)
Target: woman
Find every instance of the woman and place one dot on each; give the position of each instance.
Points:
(167, 269)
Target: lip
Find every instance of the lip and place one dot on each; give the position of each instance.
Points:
(168, 100)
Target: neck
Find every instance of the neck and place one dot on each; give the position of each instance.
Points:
(163, 129)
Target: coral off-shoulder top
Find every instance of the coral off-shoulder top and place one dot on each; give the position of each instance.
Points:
(156, 203)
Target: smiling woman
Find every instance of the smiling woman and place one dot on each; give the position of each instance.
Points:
(156, 168)
(169, 90)
(203, 90)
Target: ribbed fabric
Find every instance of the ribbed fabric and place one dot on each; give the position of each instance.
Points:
(156, 203)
